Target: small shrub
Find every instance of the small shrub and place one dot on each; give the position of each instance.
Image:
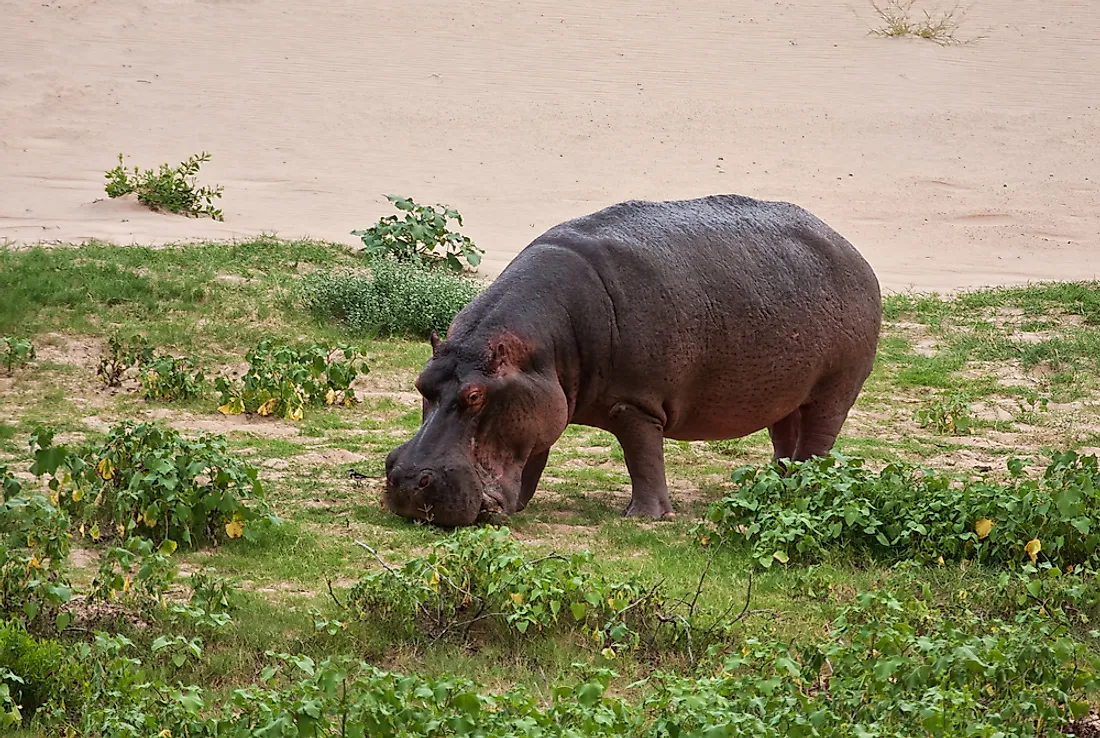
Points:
(17, 352)
(906, 512)
(135, 572)
(483, 577)
(34, 549)
(171, 188)
(170, 379)
(397, 299)
(122, 355)
(148, 480)
(282, 379)
(44, 672)
(950, 414)
(419, 237)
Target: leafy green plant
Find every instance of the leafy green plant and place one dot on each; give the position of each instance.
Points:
(17, 352)
(178, 648)
(483, 578)
(148, 480)
(173, 189)
(907, 512)
(170, 379)
(282, 379)
(136, 573)
(34, 548)
(122, 354)
(947, 414)
(396, 299)
(419, 236)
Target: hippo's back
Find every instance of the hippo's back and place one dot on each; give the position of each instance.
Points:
(725, 295)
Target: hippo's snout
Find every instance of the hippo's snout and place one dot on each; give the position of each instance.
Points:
(432, 492)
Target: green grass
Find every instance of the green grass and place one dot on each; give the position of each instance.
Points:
(181, 298)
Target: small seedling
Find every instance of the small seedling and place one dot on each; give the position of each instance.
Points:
(172, 188)
(419, 235)
(947, 414)
(17, 352)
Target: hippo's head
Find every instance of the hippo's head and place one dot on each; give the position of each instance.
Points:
(489, 403)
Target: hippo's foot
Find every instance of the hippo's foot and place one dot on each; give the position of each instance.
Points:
(651, 508)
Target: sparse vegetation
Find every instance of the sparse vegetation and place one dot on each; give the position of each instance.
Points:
(897, 20)
(122, 354)
(172, 189)
(420, 237)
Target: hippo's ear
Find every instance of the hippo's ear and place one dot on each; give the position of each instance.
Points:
(436, 342)
(509, 353)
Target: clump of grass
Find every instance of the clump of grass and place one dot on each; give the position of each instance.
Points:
(172, 188)
(395, 299)
(897, 22)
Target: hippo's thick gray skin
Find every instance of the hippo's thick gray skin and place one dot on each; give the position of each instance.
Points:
(699, 319)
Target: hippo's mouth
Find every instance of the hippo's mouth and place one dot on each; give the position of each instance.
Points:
(494, 500)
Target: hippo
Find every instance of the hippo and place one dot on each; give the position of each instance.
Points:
(700, 319)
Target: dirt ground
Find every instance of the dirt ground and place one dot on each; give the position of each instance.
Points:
(948, 166)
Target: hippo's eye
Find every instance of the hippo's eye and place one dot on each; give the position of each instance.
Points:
(424, 480)
(473, 397)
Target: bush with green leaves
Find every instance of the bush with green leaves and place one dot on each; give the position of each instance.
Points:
(16, 352)
(888, 666)
(34, 547)
(421, 237)
(483, 578)
(171, 379)
(907, 512)
(148, 480)
(173, 189)
(43, 669)
(282, 379)
(395, 299)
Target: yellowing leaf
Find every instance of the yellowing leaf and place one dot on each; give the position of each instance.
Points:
(234, 528)
(94, 532)
(1033, 548)
(268, 407)
(78, 494)
(982, 527)
(295, 414)
(82, 530)
(33, 563)
(235, 406)
(517, 597)
(126, 584)
(940, 560)
(704, 540)
(330, 396)
(121, 529)
(105, 469)
(54, 498)
(608, 653)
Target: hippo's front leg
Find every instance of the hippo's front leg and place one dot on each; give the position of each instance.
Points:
(532, 473)
(642, 437)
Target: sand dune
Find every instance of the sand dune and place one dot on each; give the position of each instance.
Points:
(947, 166)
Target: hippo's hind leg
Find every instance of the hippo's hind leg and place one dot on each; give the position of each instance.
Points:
(642, 437)
(823, 415)
(785, 435)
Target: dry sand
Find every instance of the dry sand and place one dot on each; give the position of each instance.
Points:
(947, 166)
